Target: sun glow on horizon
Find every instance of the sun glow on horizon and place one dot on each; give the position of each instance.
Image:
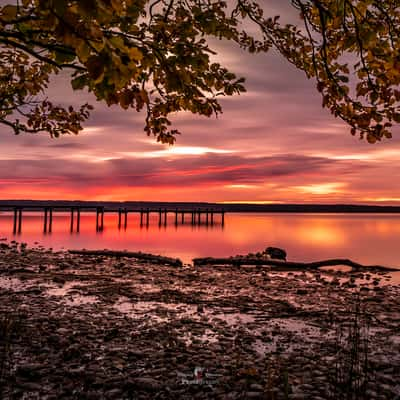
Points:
(382, 199)
(322, 188)
(249, 202)
(242, 186)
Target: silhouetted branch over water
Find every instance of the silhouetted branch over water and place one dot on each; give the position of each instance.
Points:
(131, 254)
(289, 265)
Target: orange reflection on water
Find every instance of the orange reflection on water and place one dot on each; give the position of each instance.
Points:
(322, 234)
(308, 229)
(366, 238)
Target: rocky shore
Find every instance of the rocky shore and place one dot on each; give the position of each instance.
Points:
(90, 326)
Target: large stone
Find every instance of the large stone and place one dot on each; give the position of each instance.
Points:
(276, 253)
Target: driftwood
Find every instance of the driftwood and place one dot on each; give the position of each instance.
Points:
(289, 265)
(176, 262)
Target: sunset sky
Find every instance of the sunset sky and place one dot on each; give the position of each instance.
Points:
(273, 144)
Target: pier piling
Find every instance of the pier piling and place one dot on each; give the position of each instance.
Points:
(17, 226)
(78, 219)
(20, 220)
(97, 219)
(125, 218)
(72, 220)
(45, 221)
(15, 221)
(50, 219)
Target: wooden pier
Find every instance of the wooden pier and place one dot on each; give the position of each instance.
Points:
(198, 216)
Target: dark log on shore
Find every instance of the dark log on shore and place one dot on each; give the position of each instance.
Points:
(287, 265)
(176, 262)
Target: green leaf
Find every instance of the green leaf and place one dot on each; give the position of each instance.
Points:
(79, 82)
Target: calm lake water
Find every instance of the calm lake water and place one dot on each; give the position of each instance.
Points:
(365, 238)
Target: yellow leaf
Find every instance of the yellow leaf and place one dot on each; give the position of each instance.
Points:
(117, 42)
(135, 54)
(97, 44)
(125, 99)
(9, 12)
(371, 138)
(83, 51)
(387, 134)
(117, 5)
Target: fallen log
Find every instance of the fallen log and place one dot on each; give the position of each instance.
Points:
(289, 265)
(176, 262)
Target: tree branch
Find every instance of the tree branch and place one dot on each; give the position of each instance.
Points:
(38, 56)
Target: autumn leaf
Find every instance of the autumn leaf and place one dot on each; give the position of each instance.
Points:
(95, 68)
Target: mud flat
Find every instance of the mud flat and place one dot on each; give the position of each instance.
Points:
(90, 326)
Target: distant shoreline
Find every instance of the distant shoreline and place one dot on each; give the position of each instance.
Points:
(202, 206)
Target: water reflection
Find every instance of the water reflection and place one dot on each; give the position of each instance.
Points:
(365, 238)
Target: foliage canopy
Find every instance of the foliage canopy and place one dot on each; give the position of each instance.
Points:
(155, 55)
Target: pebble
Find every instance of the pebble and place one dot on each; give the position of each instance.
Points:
(147, 384)
(297, 396)
(254, 395)
(256, 387)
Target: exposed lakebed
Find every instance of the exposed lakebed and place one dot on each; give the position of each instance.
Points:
(117, 328)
